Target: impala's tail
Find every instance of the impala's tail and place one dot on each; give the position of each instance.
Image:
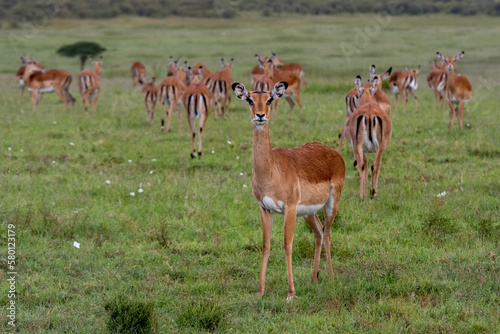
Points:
(372, 136)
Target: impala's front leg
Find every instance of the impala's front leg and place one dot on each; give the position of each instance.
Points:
(266, 218)
(290, 219)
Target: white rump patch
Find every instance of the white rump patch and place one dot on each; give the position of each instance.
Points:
(413, 84)
(394, 89)
(21, 82)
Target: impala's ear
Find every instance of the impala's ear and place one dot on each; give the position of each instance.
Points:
(200, 73)
(279, 89)
(240, 91)
(460, 56)
(440, 56)
(277, 92)
(375, 84)
(170, 60)
(406, 68)
(190, 73)
(358, 82)
(418, 69)
(372, 73)
(386, 74)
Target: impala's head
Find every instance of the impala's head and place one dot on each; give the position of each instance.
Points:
(449, 62)
(226, 65)
(380, 77)
(276, 60)
(365, 93)
(259, 101)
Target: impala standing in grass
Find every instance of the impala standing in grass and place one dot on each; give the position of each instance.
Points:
(368, 129)
(221, 83)
(458, 88)
(138, 73)
(403, 82)
(171, 92)
(377, 96)
(40, 81)
(197, 100)
(89, 84)
(294, 182)
(150, 94)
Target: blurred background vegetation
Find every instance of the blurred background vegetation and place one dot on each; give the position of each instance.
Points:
(13, 12)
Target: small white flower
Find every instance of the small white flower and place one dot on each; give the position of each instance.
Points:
(75, 211)
(213, 151)
(229, 142)
(54, 122)
(443, 194)
(132, 193)
(237, 157)
(21, 150)
(76, 244)
(140, 190)
(241, 174)
(53, 162)
(244, 186)
(130, 161)
(151, 172)
(71, 143)
(9, 149)
(153, 159)
(108, 181)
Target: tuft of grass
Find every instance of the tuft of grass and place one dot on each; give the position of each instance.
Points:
(130, 316)
(204, 315)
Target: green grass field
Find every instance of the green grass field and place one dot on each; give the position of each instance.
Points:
(183, 255)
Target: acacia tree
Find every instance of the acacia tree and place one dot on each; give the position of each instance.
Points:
(82, 49)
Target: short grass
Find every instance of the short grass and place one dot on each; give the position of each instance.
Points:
(184, 254)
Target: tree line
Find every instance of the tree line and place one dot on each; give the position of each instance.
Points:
(14, 11)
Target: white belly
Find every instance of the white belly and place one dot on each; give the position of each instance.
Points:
(302, 210)
(46, 90)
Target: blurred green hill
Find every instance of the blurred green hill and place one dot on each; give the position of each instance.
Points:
(14, 11)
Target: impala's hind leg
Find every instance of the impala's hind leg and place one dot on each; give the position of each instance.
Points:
(313, 221)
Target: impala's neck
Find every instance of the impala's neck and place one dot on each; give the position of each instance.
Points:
(263, 157)
(97, 69)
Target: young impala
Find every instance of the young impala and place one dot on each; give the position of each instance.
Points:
(377, 95)
(171, 91)
(197, 104)
(150, 95)
(221, 81)
(436, 82)
(138, 73)
(89, 84)
(294, 182)
(403, 82)
(458, 88)
(40, 81)
(368, 129)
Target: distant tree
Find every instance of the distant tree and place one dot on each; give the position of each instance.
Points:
(82, 49)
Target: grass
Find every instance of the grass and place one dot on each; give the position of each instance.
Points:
(184, 254)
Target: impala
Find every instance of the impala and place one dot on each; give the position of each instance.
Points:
(294, 182)
(171, 91)
(377, 95)
(138, 72)
(293, 87)
(26, 60)
(197, 104)
(89, 84)
(221, 81)
(403, 82)
(207, 75)
(291, 67)
(368, 129)
(263, 82)
(150, 95)
(458, 88)
(436, 81)
(40, 81)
